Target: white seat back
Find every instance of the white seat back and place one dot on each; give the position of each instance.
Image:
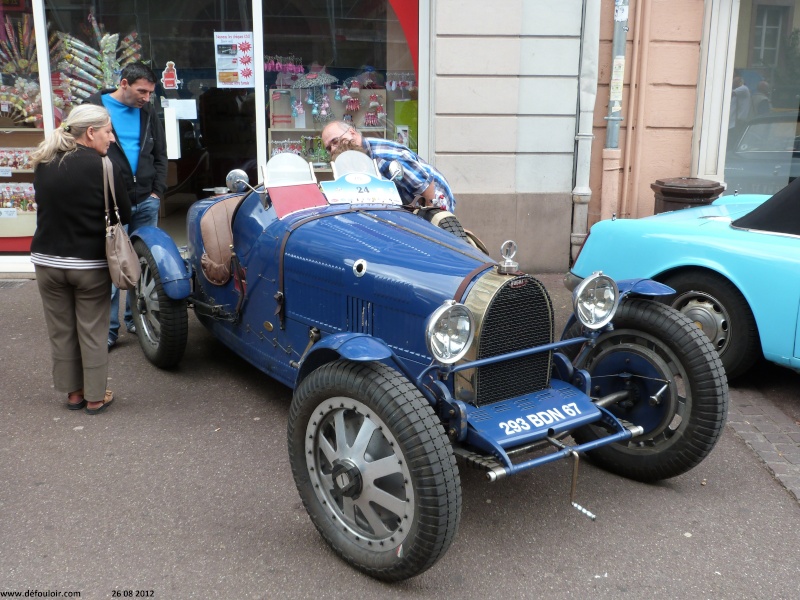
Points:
(354, 161)
(287, 168)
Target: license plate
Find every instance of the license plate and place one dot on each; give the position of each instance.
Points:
(532, 417)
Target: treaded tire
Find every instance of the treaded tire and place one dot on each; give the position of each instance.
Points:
(445, 220)
(684, 427)
(724, 314)
(162, 324)
(401, 463)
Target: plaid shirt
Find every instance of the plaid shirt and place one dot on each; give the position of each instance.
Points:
(417, 174)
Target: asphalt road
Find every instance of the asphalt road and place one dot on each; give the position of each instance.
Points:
(183, 489)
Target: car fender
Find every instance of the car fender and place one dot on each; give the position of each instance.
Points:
(643, 287)
(176, 275)
(357, 347)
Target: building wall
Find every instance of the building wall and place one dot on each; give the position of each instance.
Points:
(505, 98)
(659, 100)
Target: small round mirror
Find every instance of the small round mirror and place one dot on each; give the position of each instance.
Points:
(237, 181)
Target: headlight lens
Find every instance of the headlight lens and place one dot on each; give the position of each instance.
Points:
(595, 300)
(449, 332)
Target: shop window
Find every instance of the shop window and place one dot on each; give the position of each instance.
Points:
(20, 125)
(364, 49)
(349, 60)
(763, 153)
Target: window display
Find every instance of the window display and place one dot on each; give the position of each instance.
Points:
(351, 60)
(20, 118)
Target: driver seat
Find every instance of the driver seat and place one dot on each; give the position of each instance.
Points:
(217, 236)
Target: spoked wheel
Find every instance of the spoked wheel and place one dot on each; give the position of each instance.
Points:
(162, 324)
(374, 469)
(677, 391)
(720, 310)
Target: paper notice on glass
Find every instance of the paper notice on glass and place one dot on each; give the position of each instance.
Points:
(233, 51)
(184, 109)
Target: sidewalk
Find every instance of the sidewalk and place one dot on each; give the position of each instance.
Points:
(771, 435)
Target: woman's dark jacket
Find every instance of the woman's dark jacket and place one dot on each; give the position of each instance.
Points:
(70, 207)
(151, 173)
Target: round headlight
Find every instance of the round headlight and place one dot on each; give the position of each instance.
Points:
(595, 300)
(449, 332)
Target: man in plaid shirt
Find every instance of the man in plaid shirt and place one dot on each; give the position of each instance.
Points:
(421, 182)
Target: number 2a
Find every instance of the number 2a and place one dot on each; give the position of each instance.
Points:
(363, 190)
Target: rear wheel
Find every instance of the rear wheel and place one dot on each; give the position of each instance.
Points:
(720, 310)
(162, 324)
(374, 469)
(677, 391)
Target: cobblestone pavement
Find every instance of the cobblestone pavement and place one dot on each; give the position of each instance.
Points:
(771, 434)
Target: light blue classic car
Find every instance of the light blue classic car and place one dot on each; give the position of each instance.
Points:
(734, 265)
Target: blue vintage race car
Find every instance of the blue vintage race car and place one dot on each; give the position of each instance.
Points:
(734, 266)
(406, 347)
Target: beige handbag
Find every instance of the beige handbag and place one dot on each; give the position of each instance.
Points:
(123, 263)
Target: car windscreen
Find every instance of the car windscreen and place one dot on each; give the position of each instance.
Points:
(780, 214)
(769, 135)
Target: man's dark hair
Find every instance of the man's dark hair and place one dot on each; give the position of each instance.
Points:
(137, 70)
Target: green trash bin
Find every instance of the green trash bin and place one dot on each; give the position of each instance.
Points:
(677, 193)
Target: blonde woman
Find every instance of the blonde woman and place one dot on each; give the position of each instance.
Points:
(68, 253)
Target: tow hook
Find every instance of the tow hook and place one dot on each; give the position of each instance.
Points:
(574, 486)
(575, 505)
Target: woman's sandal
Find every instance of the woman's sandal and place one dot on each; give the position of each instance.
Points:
(104, 403)
(75, 400)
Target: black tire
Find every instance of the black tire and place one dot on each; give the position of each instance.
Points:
(720, 310)
(162, 324)
(408, 464)
(654, 344)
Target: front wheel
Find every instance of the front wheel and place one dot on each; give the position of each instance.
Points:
(162, 324)
(374, 469)
(677, 391)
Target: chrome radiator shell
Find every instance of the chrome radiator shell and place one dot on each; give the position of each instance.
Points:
(512, 312)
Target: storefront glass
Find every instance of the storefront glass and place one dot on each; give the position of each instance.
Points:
(177, 40)
(763, 135)
(20, 113)
(349, 60)
(202, 51)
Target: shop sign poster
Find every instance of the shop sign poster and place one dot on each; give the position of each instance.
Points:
(234, 55)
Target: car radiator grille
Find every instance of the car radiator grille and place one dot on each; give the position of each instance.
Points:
(519, 316)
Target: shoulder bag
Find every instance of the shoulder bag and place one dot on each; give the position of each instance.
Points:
(123, 263)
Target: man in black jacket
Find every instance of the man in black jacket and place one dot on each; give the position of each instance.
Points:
(141, 154)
